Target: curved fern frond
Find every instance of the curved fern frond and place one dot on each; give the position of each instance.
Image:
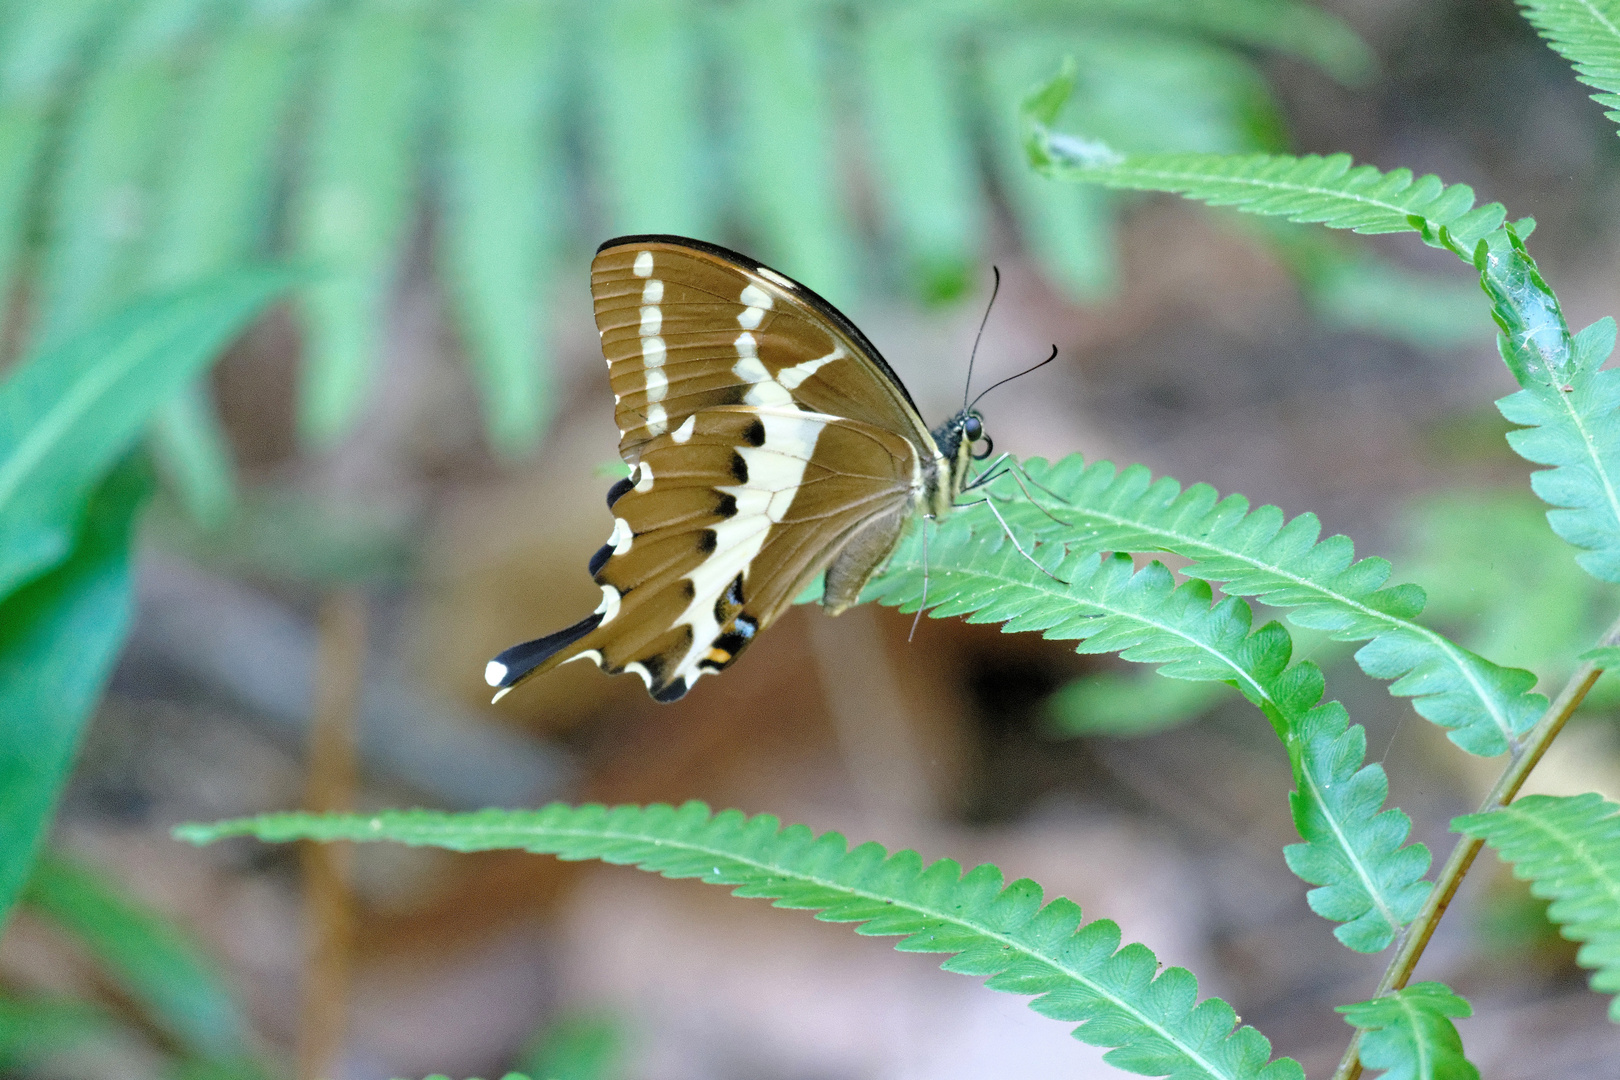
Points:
(1587, 34)
(1331, 191)
(1370, 884)
(1283, 563)
(1568, 848)
(1002, 933)
(1409, 1032)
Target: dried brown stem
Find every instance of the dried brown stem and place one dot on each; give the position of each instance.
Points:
(1522, 758)
(329, 787)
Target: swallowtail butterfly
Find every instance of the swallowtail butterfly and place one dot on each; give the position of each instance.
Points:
(767, 440)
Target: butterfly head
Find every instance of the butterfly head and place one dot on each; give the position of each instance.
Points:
(958, 440)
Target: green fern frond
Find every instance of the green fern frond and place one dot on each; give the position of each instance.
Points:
(1409, 1032)
(1587, 34)
(1370, 884)
(1001, 933)
(1568, 848)
(1331, 191)
(1284, 564)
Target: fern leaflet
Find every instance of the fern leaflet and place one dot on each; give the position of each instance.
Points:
(1284, 564)
(1002, 933)
(1327, 190)
(1409, 1032)
(1370, 883)
(1568, 848)
(1587, 34)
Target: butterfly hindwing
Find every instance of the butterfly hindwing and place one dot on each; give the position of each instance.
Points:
(720, 526)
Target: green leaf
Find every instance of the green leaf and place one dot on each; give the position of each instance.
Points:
(58, 639)
(928, 185)
(1587, 34)
(1409, 1032)
(652, 147)
(505, 204)
(212, 205)
(1000, 933)
(1370, 882)
(783, 127)
(67, 415)
(1284, 564)
(353, 206)
(38, 45)
(1327, 190)
(1109, 703)
(1568, 848)
(34, 1028)
(148, 957)
(114, 141)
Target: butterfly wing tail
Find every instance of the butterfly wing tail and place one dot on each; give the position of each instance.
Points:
(524, 661)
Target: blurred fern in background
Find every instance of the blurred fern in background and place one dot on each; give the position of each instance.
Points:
(855, 145)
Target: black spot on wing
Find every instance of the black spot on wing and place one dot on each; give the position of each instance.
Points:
(673, 692)
(739, 467)
(754, 433)
(726, 506)
(519, 660)
(600, 559)
(618, 490)
(708, 540)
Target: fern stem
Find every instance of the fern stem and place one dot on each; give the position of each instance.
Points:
(1524, 756)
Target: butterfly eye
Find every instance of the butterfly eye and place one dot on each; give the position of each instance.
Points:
(989, 448)
(973, 428)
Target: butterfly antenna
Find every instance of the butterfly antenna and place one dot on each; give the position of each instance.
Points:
(967, 387)
(1010, 378)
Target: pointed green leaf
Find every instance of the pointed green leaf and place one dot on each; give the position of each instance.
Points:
(505, 203)
(149, 958)
(353, 206)
(67, 415)
(59, 637)
(788, 169)
(650, 140)
(1568, 848)
(1078, 973)
(928, 184)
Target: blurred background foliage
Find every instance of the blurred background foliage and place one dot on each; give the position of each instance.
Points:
(854, 145)
(475, 153)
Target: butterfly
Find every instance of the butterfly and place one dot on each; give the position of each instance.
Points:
(768, 443)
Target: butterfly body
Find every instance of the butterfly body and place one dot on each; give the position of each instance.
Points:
(768, 443)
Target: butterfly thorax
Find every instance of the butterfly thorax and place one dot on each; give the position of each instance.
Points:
(955, 439)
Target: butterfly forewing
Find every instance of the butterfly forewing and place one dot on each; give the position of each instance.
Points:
(687, 327)
(767, 439)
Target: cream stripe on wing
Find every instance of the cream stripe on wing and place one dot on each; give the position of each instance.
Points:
(775, 470)
(653, 352)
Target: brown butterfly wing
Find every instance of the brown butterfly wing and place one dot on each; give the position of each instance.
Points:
(687, 326)
(722, 523)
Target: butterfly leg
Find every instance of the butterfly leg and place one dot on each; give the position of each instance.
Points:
(1008, 530)
(923, 605)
